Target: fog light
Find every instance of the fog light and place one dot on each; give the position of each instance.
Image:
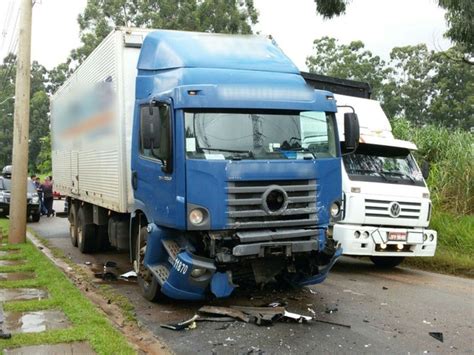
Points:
(366, 234)
(383, 246)
(196, 216)
(357, 234)
(198, 272)
(399, 246)
(335, 209)
(355, 190)
(431, 237)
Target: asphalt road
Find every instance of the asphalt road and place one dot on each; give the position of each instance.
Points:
(388, 311)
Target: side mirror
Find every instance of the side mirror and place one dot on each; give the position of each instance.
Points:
(150, 127)
(425, 169)
(351, 131)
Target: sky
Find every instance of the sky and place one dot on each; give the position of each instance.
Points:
(381, 25)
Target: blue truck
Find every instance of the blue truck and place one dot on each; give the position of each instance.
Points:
(197, 153)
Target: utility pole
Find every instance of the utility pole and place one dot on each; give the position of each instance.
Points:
(21, 126)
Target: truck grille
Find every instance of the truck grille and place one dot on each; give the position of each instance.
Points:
(382, 208)
(246, 206)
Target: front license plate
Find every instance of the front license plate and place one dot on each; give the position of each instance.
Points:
(397, 237)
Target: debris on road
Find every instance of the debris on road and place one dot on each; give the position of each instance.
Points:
(129, 276)
(262, 316)
(187, 324)
(437, 336)
(384, 288)
(330, 310)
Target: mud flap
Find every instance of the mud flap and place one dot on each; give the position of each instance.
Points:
(323, 273)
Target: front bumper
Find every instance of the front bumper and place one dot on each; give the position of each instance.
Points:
(418, 241)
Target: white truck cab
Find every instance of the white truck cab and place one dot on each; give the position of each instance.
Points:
(386, 202)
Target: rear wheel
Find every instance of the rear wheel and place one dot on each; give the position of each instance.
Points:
(148, 283)
(87, 240)
(387, 262)
(73, 224)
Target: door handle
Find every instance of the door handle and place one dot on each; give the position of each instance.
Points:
(134, 179)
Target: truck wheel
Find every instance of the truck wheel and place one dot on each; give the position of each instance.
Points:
(149, 285)
(387, 262)
(103, 236)
(35, 217)
(73, 224)
(86, 234)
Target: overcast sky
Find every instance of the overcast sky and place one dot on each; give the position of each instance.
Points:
(381, 25)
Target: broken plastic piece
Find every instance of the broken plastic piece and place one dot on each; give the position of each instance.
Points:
(127, 275)
(190, 323)
(437, 336)
(297, 317)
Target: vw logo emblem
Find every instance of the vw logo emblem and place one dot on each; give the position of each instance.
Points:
(394, 209)
(274, 200)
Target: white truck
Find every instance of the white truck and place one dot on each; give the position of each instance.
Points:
(386, 202)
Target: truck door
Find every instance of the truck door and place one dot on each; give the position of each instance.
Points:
(153, 175)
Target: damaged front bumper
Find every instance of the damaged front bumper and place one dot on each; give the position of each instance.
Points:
(300, 257)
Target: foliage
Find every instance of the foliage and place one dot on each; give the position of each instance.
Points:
(450, 154)
(420, 85)
(459, 15)
(43, 161)
(219, 16)
(39, 110)
(350, 61)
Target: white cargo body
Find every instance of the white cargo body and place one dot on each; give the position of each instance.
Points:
(91, 140)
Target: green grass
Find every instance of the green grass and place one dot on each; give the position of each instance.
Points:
(88, 323)
(455, 250)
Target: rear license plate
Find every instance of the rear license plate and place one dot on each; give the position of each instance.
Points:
(397, 237)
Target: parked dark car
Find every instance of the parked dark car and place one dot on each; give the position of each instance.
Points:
(33, 203)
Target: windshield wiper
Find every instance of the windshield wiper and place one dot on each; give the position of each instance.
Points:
(233, 157)
(399, 173)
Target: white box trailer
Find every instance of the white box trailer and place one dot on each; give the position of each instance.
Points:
(91, 120)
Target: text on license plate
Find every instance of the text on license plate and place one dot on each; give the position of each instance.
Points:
(397, 236)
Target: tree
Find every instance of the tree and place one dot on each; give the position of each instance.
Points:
(350, 61)
(452, 103)
(39, 110)
(459, 15)
(220, 16)
(408, 88)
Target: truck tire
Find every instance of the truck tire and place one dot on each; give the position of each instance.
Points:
(73, 224)
(103, 235)
(87, 238)
(148, 283)
(387, 262)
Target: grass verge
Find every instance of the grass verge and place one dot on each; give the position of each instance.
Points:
(455, 250)
(88, 324)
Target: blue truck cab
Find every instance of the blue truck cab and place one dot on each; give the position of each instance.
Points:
(230, 189)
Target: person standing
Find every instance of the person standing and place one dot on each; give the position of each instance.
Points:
(47, 188)
(39, 190)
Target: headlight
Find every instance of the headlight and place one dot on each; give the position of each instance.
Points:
(196, 216)
(2, 197)
(35, 199)
(335, 209)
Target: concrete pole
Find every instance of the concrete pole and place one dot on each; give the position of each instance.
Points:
(21, 125)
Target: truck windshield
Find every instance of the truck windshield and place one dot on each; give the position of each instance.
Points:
(259, 135)
(383, 164)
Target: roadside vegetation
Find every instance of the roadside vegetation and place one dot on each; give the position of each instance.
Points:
(88, 324)
(450, 153)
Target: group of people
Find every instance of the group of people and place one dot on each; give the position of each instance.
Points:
(45, 194)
